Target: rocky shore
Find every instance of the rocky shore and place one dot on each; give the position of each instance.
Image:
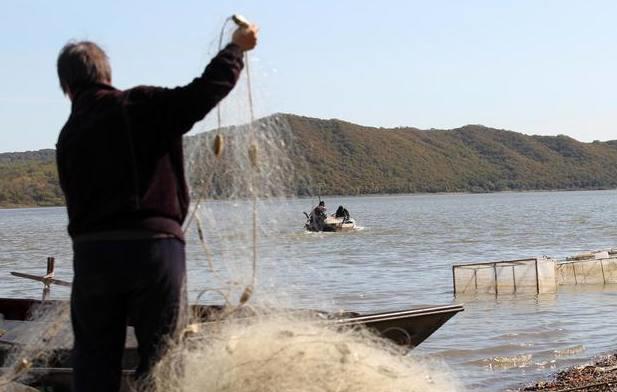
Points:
(601, 376)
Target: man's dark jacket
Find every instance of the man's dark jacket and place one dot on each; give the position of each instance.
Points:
(119, 155)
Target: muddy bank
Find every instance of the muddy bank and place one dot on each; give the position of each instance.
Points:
(601, 376)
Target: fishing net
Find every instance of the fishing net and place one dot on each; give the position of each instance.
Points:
(239, 197)
(239, 179)
(270, 350)
(593, 271)
(41, 342)
(289, 352)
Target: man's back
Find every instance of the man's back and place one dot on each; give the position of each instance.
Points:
(116, 171)
(120, 158)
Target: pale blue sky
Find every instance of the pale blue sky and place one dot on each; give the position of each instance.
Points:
(538, 67)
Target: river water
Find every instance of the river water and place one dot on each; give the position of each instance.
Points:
(401, 257)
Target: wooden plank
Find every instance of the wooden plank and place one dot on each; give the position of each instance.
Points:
(42, 279)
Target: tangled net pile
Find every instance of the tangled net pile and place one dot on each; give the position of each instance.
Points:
(288, 353)
(49, 331)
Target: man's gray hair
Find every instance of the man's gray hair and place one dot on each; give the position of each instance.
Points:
(82, 63)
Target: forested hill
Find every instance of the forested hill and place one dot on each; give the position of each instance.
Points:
(347, 159)
(344, 158)
(29, 179)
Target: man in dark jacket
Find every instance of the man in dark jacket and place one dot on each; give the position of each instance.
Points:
(318, 216)
(120, 164)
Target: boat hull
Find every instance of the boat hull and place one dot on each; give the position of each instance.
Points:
(331, 224)
(408, 327)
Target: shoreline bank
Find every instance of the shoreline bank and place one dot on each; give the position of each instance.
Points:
(598, 375)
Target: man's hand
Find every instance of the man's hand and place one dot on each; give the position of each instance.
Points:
(245, 37)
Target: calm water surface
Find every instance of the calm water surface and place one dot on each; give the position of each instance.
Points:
(401, 258)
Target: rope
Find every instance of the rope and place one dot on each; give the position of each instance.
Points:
(253, 157)
(252, 153)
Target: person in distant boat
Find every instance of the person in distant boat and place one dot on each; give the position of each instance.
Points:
(341, 212)
(120, 164)
(318, 215)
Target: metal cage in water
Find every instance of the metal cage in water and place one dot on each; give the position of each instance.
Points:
(532, 275)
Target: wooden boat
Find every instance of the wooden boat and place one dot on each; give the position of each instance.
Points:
(408, 327)
(330, 224)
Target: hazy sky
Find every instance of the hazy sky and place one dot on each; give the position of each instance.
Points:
(538, 67)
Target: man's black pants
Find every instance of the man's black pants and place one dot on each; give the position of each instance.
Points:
(116, 280)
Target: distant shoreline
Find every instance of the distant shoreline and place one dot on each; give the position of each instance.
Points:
(16, 207)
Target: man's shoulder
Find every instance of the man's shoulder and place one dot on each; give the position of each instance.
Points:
(144, 96)
(143, 91)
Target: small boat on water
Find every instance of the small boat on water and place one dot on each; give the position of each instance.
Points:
(408, 327)
(331, 224)
(318, 220)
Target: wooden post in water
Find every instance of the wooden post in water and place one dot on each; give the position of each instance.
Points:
(51, 263)
(495, 272)
(537, 278)
(514, 278)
